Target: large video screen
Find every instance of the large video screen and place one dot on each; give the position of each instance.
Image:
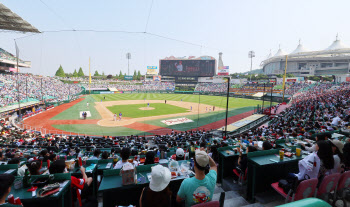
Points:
(194, 68)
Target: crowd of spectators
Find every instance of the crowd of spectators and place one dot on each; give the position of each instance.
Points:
(33, 87)
(211, 87)
(143, 86)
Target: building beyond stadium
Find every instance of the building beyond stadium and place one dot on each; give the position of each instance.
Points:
(334, 60)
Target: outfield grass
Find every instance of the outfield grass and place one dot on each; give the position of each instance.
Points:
(199, 119)
(218, 101)
(134, 111)
(72, 113)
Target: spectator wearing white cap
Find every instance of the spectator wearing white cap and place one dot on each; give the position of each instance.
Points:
(337, 147)
(180, 154)
(158, 193)
(200, 188)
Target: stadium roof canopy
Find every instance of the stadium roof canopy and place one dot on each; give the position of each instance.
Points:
(11, 21)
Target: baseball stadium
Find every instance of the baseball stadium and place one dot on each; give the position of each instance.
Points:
(181, 112)
(96, 112)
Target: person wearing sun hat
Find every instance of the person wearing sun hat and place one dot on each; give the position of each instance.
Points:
(337, 147)
(158, 193)
(200, 188)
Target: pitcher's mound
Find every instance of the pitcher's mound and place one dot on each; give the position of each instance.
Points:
(146, 108)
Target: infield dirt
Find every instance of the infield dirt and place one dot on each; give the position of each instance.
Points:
(107, 116)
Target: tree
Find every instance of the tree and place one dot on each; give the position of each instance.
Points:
(139, 75)
(314, 78)
(120, 75)
(60, 72)
(290, 75)
(103, 73)
(96, 73)
(75, 74)
(81, 73)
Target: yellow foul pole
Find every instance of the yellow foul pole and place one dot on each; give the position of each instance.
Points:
(284, 78)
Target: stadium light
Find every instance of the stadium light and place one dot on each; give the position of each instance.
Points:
(251, 54)
(128, 56)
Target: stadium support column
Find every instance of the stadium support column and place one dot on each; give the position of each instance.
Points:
(227, 98)
(69, 93)
(26, 88)
(271, 97)
(284, 78)
(41, 90)
(18, 95)
(262, 107)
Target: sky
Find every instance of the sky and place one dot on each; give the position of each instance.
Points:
(191, 28)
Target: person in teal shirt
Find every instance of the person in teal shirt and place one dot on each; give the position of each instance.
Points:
(200, 188)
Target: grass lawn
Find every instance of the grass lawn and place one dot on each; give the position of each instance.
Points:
(218, 101)
(72, 113)
(199, 120)
(133, 110)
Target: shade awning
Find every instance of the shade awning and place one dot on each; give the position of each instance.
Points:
(11, 21)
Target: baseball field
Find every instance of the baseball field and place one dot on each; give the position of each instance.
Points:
(141, 114)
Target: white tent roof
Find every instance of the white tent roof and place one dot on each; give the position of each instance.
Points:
(337, 45)
(299, 49)
(280, 52)
(269, 56)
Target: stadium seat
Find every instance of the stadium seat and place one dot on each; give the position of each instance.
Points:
(208, 204)
(305, 189)
(328, 184)
(343, 188)
(242, 177)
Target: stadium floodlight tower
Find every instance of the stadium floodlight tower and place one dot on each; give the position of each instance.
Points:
(128, 56)
(251, 54)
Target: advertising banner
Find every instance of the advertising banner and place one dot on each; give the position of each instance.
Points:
(186, 79)
(182, 120)
(157, 78)
(152, 70)
(347, 79)
(291, 80)
(128, 77)
(223, 70)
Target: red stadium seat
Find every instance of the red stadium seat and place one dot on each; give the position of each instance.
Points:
(305, 189)
(329, 184)
(208, 204)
